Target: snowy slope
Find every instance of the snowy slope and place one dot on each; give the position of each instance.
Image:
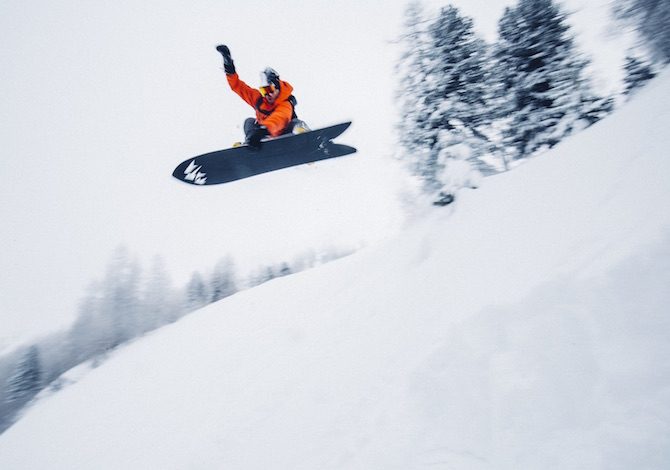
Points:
(524, 327)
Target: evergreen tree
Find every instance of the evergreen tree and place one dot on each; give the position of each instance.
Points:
(223, 283)
(285, 269)
(444, 93)
(458, 100)
(197, 294)
(262, 275)
(411, 95)
(91, 332)
(651, 19)
(120, 302)
(545, 93)
(27, 378)
(109, 314)
(158, 302)
(637, 74)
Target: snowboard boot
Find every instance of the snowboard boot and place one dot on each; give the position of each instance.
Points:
(299, 127)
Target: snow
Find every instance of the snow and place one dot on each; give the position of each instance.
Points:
(524, 326)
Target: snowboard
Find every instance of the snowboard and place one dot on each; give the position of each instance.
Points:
(224, 166)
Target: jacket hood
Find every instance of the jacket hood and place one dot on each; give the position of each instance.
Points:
(285, 90)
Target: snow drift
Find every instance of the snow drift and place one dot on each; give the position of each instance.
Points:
(524, 327)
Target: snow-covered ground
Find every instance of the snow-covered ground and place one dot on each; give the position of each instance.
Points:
(524, 327)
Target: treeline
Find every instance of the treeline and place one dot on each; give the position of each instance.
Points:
(125, 304)
(469, 105)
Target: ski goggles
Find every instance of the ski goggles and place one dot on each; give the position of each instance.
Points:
(266, 90)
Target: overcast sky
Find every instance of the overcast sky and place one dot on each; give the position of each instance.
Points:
(101, 100)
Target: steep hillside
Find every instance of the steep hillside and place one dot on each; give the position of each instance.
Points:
(523, 327)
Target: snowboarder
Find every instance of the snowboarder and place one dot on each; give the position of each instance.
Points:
(273, 102)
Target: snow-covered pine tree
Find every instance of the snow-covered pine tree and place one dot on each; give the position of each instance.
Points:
(158, 304)
(261, 275)
(109, 313)
(411, 70)
(222, 282)
(90, 334)
(638, 73)
(26, 381)
(285, 269)
(120, 301)
(444, 94)
(457, 103)
(545, 93)
(651, 19)
(197, 294)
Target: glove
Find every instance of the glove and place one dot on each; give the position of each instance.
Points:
(228, 64)
(254, 139)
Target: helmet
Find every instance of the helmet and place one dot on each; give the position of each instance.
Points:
(269, 80)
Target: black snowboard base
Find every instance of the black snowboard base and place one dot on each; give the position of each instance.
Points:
(233, 164)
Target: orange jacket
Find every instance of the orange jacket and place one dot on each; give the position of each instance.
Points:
(276, 116)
